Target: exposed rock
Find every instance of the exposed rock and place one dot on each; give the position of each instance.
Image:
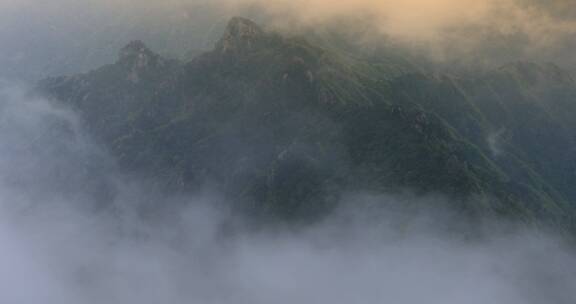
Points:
(241, 35)
(137, 58)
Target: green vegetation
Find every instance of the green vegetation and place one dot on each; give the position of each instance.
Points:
(285, 127)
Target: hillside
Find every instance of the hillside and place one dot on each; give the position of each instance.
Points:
(286, 127)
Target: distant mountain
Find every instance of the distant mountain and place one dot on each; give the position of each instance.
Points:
(285, 127)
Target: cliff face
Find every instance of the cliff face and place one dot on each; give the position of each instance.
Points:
(285, 127)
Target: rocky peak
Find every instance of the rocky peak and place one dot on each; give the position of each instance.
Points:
(241, 35)
(134, 50)
(137, 58)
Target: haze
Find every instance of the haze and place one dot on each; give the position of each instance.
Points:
(59, 244)
(42, 38)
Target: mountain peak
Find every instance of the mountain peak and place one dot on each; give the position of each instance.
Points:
(242, 26)
(241, 35)
(133, 50)
(137, 58)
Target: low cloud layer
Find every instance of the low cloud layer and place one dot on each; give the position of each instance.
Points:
(59, 244)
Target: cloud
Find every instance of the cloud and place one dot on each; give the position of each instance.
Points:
(411, 18)
(73, 229)
(59, 245)
(490, 31)
(41, 38)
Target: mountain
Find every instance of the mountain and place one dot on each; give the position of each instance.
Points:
(286, 126)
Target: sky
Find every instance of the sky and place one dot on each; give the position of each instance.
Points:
(41, 38)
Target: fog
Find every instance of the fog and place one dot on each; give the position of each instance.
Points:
(43, 38)
(75, 229)
(62, 242)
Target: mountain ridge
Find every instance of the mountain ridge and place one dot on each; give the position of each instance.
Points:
(286, 126)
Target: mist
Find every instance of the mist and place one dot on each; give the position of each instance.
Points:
(60, 243)
(41, 38)
(76, 228)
